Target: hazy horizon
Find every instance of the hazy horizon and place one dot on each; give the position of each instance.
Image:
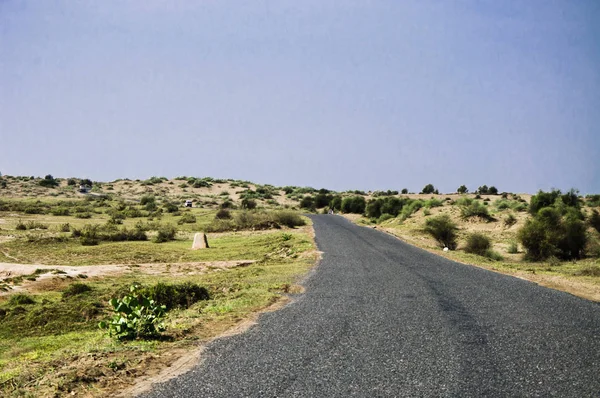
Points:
(341, 95)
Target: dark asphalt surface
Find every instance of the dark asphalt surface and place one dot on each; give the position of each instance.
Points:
(381, 318)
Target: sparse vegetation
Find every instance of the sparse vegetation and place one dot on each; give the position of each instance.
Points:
(443, 229)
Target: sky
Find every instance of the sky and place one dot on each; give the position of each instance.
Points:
(340, 94)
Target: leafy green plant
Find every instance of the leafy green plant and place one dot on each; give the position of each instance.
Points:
(443, 229)
(135, 316)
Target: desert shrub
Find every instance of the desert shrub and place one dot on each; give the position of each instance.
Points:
(187, 218)
(443, 229)
(123, 234)
(433, 202)
(147, 199)
(71, 182)
(170, 207)
(493, 255)
(463, 201)
(594, 220)
(221, 226)
(510, 220)
(477, 243)
(227, 204)
(248, 204)
(66, 227)
(89, 235)
(593, 200)
(308, 203)
(288, 218)
(373, 208)
(551, 234)
(21, 226)
(513, 248)
(353, 204)
(591, 270)
(462, 189)
(410, 208)
(475, 209)
(180, 295)
(336, 203)
(49, 182)
(547, 199)
(20, 299)
(426, 212)
(322, 199)
(133, 212)
(75, 289)
(84, 216)
(60, 211)
(165, 233)
(223, 214)
(35, 225)
(385, 217)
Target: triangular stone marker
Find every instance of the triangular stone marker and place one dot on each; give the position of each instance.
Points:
(200, 241)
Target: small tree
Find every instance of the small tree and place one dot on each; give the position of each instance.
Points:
(493, 190)
(404, 191)
(462, 189)
(483, 190)
(428, 189)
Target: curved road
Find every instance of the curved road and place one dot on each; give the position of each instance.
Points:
(381, 318)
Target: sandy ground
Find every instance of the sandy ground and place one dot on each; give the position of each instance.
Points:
(9, 270)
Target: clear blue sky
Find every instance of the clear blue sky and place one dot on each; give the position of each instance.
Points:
(337, 94)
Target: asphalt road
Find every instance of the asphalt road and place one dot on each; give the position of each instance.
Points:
(381, 318)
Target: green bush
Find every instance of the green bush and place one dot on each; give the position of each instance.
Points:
(223, 214)
(410, 208)
(475, 209)
(594, 220)
(135, 317)
(288, 218)
(551, 234)
(248, 204)
(307, 203)
(443, 229)
(75, 289)
(477, 243)
(181, 295)
(353, 204)
(428, 189)
(20, 299)
(433, 202)
(49, 182)
(336, 203)
(165, 233)
(385, 217)
(462, 189)
(513, 248)
(187, 218)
